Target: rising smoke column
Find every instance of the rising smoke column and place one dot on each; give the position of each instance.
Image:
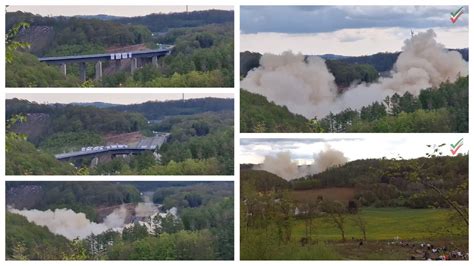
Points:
(325, 159)
(282, 165)
(308, 88)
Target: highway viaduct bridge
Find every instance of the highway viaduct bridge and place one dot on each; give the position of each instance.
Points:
(146, 144)
(104, 151)
(82, 60)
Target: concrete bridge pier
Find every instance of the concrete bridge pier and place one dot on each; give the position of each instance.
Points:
(62, 68)
(98, 70)
(154, 61)
(94, 162)
(134, 64)
(118, 64)
(83, 71)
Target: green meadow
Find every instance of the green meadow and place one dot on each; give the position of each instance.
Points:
(385, 224)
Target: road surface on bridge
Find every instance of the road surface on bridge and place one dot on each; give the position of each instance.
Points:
(146, 144)
(105, 57)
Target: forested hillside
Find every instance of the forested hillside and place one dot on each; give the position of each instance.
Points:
(259, 115)
(202, 55)
(387, 183)
(378, 182)
(444, 109)
(186, 221)
(200, 137)
(361, 205)
(165, 22)
(55, 36)
(159, 110)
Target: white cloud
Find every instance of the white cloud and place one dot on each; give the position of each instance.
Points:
(376, 146)
(350, 42)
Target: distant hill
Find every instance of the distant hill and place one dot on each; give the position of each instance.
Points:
(372, 171)
(97, 104)
(154, 110)
(332, 56)
(100, 17)
(164, 22)
(382, 62)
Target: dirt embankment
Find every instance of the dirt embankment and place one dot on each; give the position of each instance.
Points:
(128, 48)
(340, 194)
(35, 127)
(131, 138)
(40, 38)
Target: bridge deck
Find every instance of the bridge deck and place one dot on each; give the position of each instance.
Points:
(105, 57)
(76, 154)
(146, 144)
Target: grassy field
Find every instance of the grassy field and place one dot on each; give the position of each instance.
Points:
(384, 224)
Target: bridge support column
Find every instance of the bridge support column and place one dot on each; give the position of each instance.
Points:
(134, 64)
(154, 61)
(83, 71)
(118, 64)
(94, 162)
(98, 70)
(62, 68)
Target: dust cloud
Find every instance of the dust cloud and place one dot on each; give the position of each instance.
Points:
(67, 223)
(74, 225)
(309, 89)
(283, 166)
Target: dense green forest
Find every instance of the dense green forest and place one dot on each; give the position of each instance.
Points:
(165, 22)
(444, 109)
(202, 55)
(384, 185)
(159, 110)
(202, 228)
(77, 196)
(259, 115)
(200, 138)
(355, 210)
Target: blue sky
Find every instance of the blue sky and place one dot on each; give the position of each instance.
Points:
(368, 28)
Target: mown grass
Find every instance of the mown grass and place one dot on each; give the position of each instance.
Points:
(386, 224)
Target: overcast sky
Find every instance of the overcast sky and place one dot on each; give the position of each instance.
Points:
(377, 146)
(116, 98)
(346, 30)
(125, 11)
